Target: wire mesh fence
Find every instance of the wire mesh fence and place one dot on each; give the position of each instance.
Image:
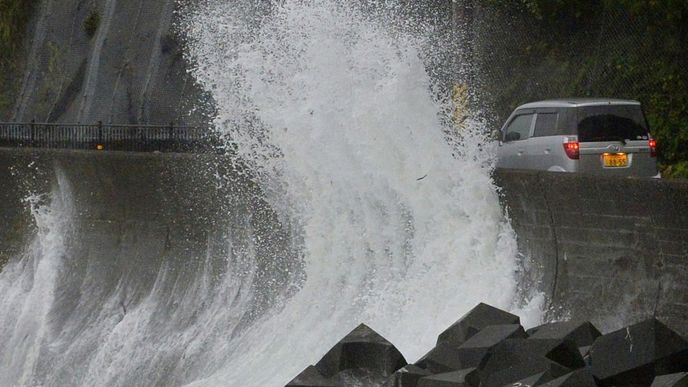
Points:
(131, 138)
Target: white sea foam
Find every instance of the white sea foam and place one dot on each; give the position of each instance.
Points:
(335, 113)
(395, 215)
(28, 287)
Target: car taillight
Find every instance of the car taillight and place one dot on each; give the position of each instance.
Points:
(572, 149)
(653, 147)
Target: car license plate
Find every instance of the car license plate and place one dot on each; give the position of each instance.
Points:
(615, 160)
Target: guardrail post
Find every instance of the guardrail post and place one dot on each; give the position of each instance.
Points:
(170, 136)
(100, 132)
(31, 132)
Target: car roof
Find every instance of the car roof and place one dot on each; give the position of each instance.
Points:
(577, 102)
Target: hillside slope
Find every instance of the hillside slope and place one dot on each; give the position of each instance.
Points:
(106, 60)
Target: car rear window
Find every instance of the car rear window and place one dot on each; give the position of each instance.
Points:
(611, 123)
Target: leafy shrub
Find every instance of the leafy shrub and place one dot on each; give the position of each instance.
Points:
(678, 170)
(92, 23)
(14, 17)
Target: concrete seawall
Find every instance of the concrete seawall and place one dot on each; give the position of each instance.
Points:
(605, 249)
(609, 250)
(134, 213)
(109, 190)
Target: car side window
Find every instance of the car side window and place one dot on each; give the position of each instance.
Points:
(519, 128)
(546, 124)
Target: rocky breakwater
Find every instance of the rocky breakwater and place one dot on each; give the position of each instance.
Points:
(488, 347)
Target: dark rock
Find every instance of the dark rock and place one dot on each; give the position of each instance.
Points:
(672, 380)
(532, 381)
(442, 358)
(472, 322)
(461, 378)
(585, 352)
(501, 367)
(633, 356)
(358, 377)
(583, 334)
(525, 366)
(310, 377)
(474, 349)
(362, 349)
(407, 376)
(578, 378)
(563, 352)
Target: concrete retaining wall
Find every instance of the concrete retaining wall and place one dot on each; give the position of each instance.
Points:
(113, 194)
(610, 250)
(135, 212)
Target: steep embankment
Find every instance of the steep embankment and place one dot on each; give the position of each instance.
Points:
(109, 60)
(610, 250)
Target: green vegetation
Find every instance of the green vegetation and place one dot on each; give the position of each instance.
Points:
(92, 23)
(634, 49)
(14, 15)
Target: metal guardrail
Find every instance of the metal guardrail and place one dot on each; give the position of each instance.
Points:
(131, 138)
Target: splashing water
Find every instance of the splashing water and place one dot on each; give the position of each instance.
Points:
(394, 214)
(28, 287)
(334, 112)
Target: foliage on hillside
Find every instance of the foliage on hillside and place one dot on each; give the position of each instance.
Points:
(634, 49)
(92, 23)
(14, 15)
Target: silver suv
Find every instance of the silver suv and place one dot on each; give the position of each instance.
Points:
(600, 136)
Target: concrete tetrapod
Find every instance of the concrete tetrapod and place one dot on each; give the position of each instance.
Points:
(361, 357)
(442, 358)
(634, 355)
(310, 377)
(474, 350)
(679, 379)
(641, 355)
(501, 367)
(532, 381)
(563, 352)
(472, 322)
(461, 378)
(578, 378)
(581, 333)
(407, 376)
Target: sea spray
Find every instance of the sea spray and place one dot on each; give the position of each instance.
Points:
(380, 211)
(28, 285)
(338, 118)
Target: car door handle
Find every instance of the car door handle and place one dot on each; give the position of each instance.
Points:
(547, 151)
(520, 152)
